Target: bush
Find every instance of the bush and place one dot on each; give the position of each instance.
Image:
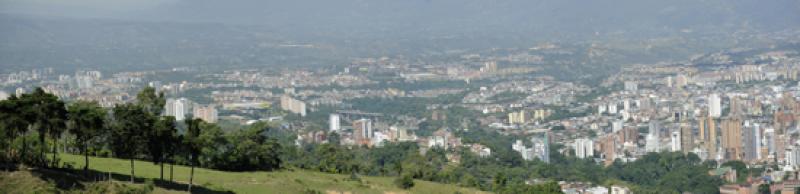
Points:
(404, 182)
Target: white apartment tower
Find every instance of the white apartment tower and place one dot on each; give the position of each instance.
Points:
(714, 106)
(584, 148)
(334, 122)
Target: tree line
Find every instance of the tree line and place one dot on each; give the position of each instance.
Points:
(35, 124)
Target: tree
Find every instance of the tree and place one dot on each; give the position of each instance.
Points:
(48, 113)
(160, 140)
(193, 144)
(741, 169)
(13, 123)
(176, 145)
(86, 121)
(764, 189)
(404, 182)
(127, 139)
(153, 103)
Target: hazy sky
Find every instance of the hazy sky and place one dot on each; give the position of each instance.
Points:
(441, 17)
(82, 8)
(506, 11)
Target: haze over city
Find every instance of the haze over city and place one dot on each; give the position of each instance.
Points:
(413, 96)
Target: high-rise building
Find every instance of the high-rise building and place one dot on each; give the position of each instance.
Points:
(752, 143)
(362, 131)
(293, 105)
(601, 109)
(584, 148)
(654, 127)
(516, 117)
(793, 156)
(612, 108)
(732, 138)
(714, 106)
(652, 143)
(687, 137)
(617, 125)
(675, 140)
(490, 66)
(334, 122)
(653, 139)
(668, 81)
(707, 133)
(176, 108)
(19, 92)
(541, 148)
(206, 113)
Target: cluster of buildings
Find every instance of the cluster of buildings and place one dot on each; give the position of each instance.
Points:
(180, 108)
(293, 105)
(539, 149)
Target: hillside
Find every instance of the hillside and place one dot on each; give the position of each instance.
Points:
(212, 181)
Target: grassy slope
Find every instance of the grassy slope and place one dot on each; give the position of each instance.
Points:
(47, 181)
(285, 181)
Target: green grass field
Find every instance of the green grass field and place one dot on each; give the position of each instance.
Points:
(284, 181)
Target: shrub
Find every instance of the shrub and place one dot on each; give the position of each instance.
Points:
(404, 182)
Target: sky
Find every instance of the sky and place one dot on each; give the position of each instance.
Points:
(439, 17)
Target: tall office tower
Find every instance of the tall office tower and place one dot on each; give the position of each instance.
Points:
(708, 134)
(334, 122)
(714, 106)
(584, 148)
(676, 141)
(752, 143)
(770, 140)
(713, 142)
(687, 138)
(732, 138)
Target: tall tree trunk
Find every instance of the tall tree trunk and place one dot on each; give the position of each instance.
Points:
(191, 177)
(170, 170)
(162, 170)
(85, 159)
(132, 173)
(24, 149)
(42, 149)
(55, 150)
